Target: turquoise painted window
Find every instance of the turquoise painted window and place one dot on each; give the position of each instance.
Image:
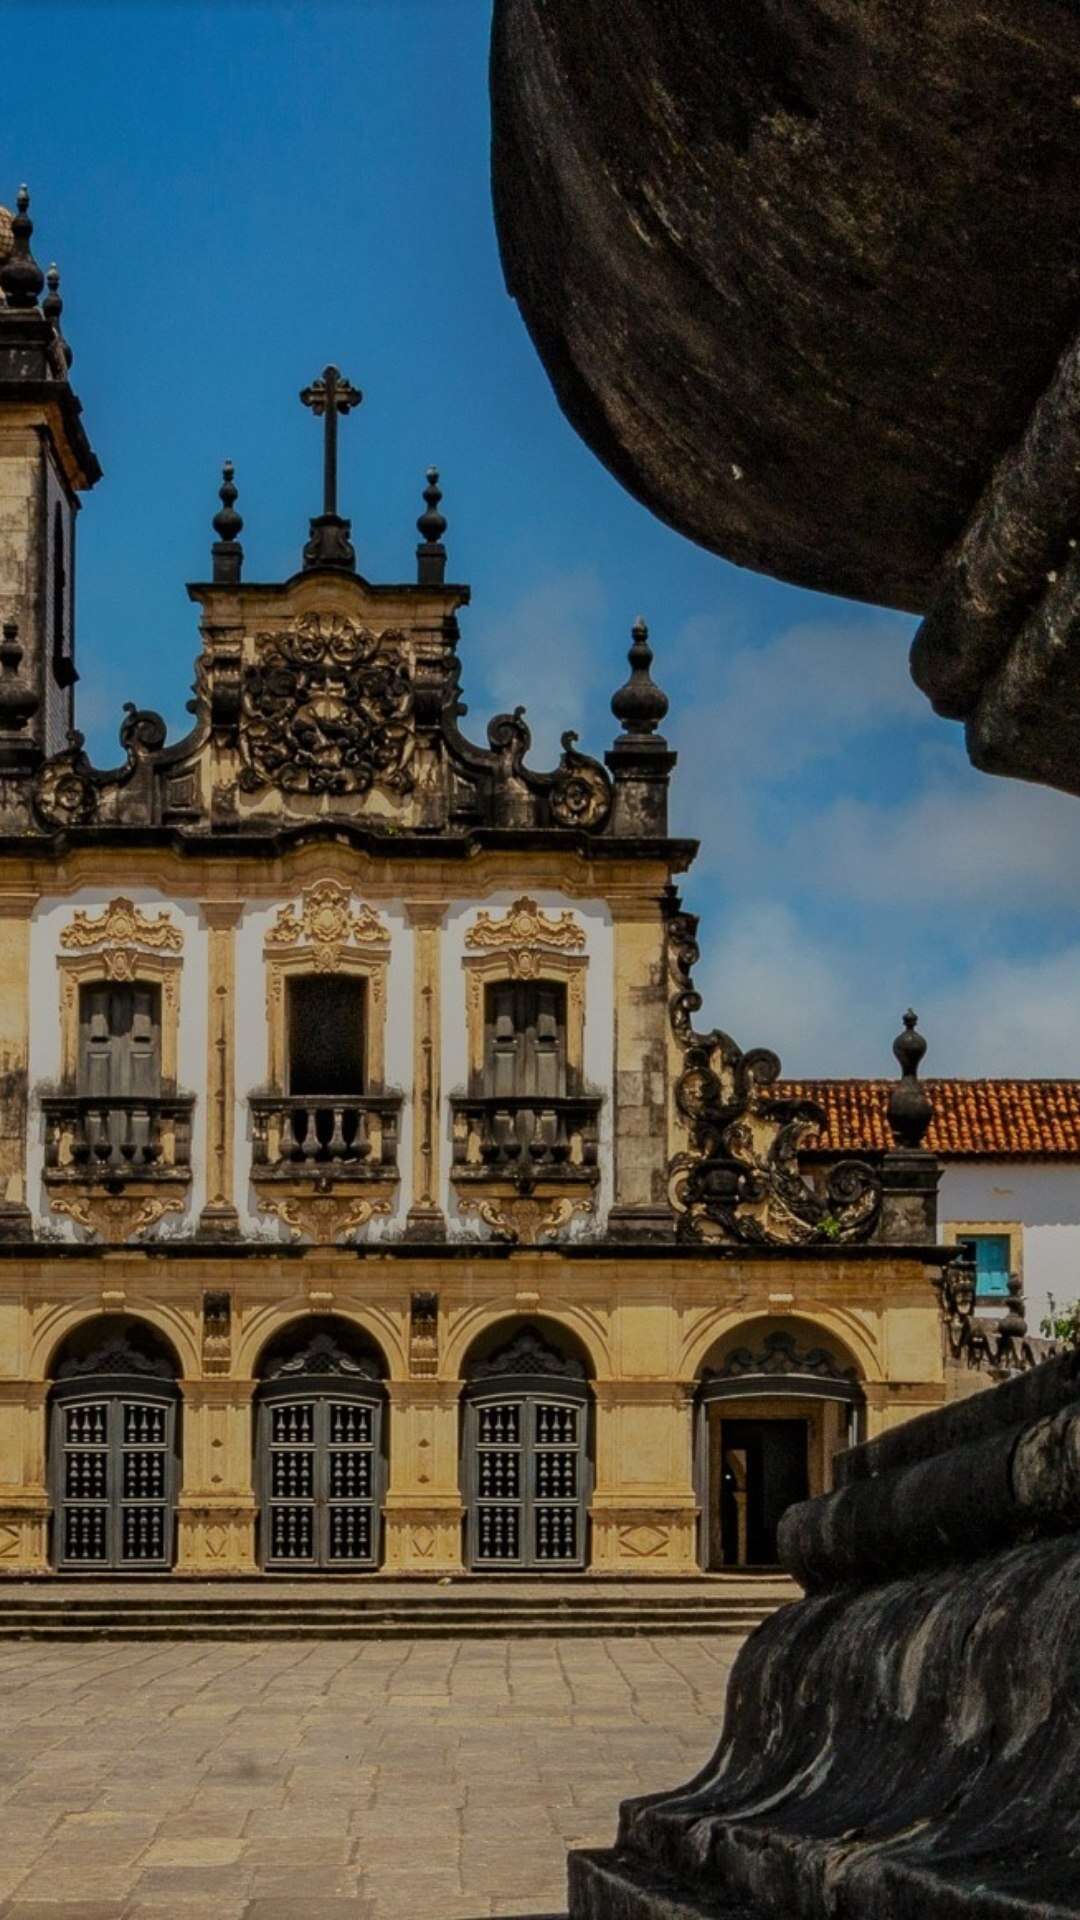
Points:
(991, 1254)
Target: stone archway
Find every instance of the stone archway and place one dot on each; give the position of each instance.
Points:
(320, 1449)
(775, 1403)
(526, 1454)
(114, 1448)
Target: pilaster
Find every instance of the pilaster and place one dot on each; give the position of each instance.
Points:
(24, 1500)
(423, 1507)
(219, 1216)
(644, 1509)
(640, 1206)
(426, 1220)
(15, 912)
(216, 1509)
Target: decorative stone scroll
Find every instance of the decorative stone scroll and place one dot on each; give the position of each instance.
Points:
(524, 928)
(324, 1218)
(524, 1221)
(327, 708)
(115, 1218)
(740, 1177)
(327, 922)
(122, 921)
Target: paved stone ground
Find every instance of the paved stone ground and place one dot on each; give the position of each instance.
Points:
(350, 1781)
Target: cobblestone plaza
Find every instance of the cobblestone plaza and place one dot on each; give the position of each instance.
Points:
(360, 1781)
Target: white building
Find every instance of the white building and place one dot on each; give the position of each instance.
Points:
(1011, 1152)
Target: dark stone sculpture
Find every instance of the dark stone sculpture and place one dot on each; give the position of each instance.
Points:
(803, 278)
(904, 1741)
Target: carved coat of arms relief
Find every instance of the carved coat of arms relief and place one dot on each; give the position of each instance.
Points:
(327, 708)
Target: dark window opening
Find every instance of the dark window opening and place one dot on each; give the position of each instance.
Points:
(525, 1039)
(63, 664)
(326, 1036)
(120, 1040)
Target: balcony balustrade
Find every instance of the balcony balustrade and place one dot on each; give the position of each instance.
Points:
(112, 1137)
(352, 1138)
(544, 1136)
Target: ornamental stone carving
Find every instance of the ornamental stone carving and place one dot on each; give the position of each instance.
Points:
(327, 922)
(327, 708)
(121, 920)
(524, 1221)
(65, 793)
(740, 1178)
(115, 1218)
(580, 790)
(528, 1353)
(323, 1218)
(525, 925)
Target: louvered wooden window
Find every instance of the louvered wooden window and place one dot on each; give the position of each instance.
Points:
(120, 1040)
(326, 1036)
(525, 1039)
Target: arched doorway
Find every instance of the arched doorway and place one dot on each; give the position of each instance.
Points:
(320, 1449)
(775, 1402)
(526, 1453)
(114, 1445)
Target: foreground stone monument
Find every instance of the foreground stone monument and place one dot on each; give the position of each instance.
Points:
(904, 1741)
(804, 278)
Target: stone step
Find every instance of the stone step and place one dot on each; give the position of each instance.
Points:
(169, 1613)
(561, 1627)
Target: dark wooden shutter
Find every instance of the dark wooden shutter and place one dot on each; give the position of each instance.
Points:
(120, 1041)
(525, 1039)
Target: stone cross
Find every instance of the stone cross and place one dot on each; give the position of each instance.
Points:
(329, 545)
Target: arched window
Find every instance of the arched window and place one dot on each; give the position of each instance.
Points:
(320, 1449)
(526, 1456)
(114, 1449)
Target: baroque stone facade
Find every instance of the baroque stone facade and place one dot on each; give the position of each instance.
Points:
(352, 1102)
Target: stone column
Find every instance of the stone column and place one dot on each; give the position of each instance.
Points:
(426, 1220)
(644, 1509)
(424, 1508)
(217, 1500)
(15, 910)
(219, 1216)
(24, 1499)
(640, 1206)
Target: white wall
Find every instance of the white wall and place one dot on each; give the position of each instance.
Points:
(599, 1060)
(50, 916)
(1044, 1196)
(252, 1037)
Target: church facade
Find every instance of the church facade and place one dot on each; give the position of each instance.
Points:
(369, 1198)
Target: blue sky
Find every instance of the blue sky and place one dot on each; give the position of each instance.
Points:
(238, 193)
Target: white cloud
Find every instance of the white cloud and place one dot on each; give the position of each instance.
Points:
(767, 981)
(972, 840)
(832, 1006)
(538, 653)
(1012, 1017)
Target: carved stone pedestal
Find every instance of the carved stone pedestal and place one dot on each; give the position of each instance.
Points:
(905, 1740)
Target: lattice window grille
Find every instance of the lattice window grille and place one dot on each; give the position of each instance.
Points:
(115, 1483)
(322, 1483)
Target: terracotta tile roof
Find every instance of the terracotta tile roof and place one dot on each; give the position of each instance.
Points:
(999, 1118)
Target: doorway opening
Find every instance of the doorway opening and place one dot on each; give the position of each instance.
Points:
(764, 1470)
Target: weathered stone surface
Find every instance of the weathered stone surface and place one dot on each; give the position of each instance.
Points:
(896, 1746)
(798, 273)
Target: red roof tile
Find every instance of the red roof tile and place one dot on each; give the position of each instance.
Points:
(998, 1118)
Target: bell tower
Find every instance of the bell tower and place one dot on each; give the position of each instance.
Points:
(46, 462)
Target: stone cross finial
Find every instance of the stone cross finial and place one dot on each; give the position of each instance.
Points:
(329, 395)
